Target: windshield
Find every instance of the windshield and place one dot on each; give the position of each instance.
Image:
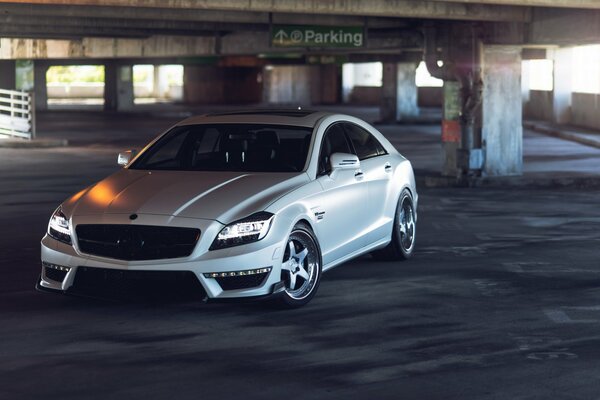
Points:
(229, 147)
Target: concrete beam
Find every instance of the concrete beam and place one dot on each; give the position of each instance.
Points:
(193, 15)
(564, 27)
(141, 13)
(383, 8)
(66, 32)
(533, 3)
(236, 43)
(156, 46)
(18, 23)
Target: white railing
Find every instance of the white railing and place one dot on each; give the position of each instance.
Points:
(17, 114)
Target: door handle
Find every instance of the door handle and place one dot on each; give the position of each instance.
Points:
(388, 167)
(358, 174)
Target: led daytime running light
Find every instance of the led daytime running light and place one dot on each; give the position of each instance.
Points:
(237, 273)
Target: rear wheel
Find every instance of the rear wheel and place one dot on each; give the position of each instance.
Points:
(403, 232)
(300, 268)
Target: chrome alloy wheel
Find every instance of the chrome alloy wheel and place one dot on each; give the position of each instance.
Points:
(300, 267)
(406, 224)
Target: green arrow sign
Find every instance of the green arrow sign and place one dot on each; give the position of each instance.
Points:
(317, 36)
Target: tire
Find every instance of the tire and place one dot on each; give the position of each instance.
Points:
(404, 232)
(301, 267)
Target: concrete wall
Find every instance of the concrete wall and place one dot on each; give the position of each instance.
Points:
(430, 96)
(539, 106)
(585, 110)
(365, 95)
(502, 131)
(289, 84)
(210, 84)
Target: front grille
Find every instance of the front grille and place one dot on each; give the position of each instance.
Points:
(126, 284)
(241, 282)
(54, 274)
(136, 242)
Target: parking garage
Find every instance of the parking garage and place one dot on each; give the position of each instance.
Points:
(494, 102)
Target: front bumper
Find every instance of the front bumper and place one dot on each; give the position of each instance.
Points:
(259, 255)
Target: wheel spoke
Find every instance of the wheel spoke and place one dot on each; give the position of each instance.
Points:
(292, 249)
(287, 266)
(302, 255)
(303, 273)
(292, 281)
(402, 228)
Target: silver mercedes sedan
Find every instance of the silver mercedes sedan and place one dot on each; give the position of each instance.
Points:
(252, 204)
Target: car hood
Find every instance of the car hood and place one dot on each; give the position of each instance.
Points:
(221, 196)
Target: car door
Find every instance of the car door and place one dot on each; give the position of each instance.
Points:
(377, 169)
(342, 206)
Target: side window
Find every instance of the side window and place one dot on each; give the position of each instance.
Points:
(364, 143)
(334, 141)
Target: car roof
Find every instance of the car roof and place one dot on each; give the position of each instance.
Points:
(293, 117)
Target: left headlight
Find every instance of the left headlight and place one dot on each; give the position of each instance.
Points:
(247, 230)
(58, 228)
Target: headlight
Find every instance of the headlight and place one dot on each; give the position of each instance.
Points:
(58, 228)
(247, 230)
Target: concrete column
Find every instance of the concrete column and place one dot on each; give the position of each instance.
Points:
(125, 87)
(7, 74)
(325, 84)
(563, 59)
(156, 86)
(502, 128)
(406, 91)
(39, 85)
(118, 87)
(110, 87)
(389, 93)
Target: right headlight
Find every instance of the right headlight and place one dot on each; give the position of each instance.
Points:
(58, 228)
(247, 230)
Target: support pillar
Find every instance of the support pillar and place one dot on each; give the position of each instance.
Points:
(40, 85)
(563, 59)
(7, 74)
(389, 93)
(125, 88)
(325, 83)
(406, 91)
(118, 87)
(110, 86)
(502, 128)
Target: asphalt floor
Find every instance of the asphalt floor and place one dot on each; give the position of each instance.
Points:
(501, 300)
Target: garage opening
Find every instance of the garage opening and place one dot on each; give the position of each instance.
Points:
(78, 86)
(157, 83)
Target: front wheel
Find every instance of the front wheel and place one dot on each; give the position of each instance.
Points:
(403, 232)
(300, 268)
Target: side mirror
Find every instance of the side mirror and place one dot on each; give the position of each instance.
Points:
(126, 157)
(341, 161)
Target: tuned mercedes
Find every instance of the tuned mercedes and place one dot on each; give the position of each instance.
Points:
(252, 204)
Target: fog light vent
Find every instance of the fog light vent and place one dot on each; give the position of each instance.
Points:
(55, 272)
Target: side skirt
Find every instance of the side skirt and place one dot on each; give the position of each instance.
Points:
(357, 253)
